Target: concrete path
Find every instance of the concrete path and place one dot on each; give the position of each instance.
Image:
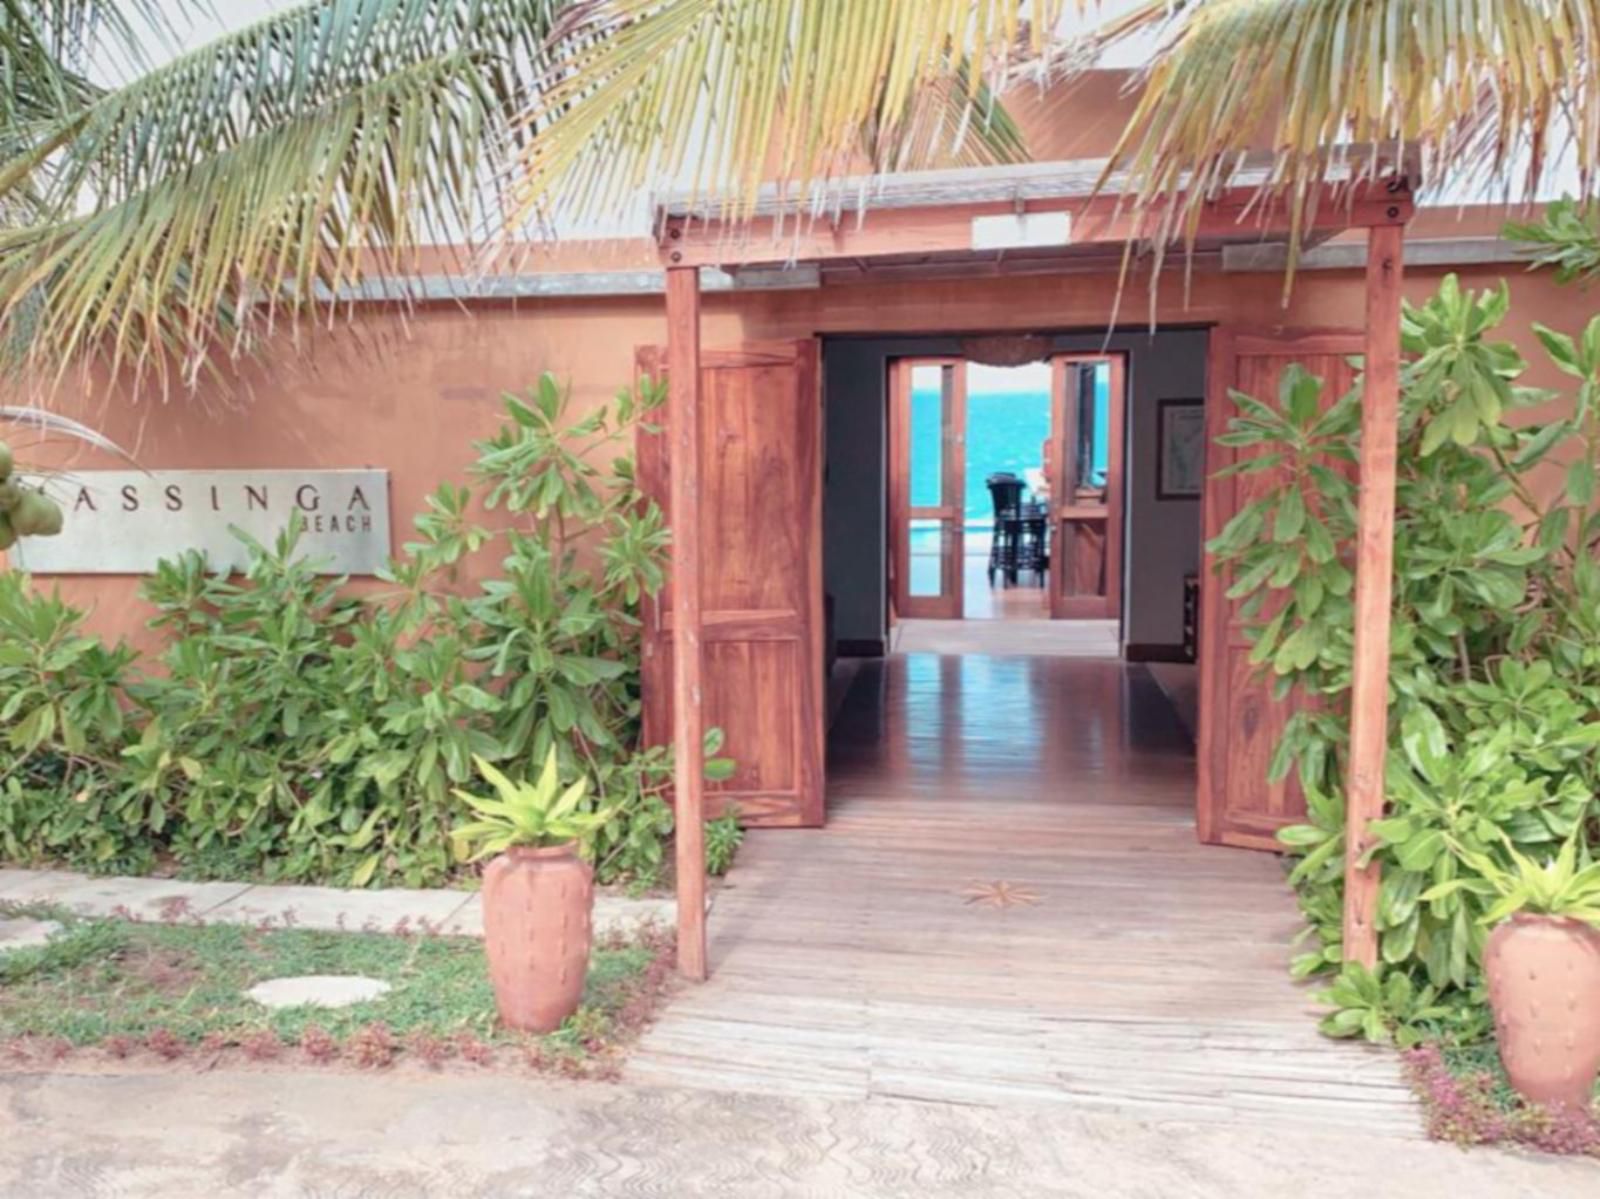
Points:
(334, 908)
(272, 1135)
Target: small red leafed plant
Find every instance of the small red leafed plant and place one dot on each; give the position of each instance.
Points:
(317, 1044)
(165, 1044)
(1464, 1108)
(371, 1047)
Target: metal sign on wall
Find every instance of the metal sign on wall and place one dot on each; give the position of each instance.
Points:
(125, 521)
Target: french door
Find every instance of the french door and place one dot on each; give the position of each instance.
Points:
(1086, 491)
(927, 472)
(1079, 485)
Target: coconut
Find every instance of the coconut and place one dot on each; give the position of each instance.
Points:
(36, 515)
(8, 535)
(10, 492)
(50, 519)
(6, 462)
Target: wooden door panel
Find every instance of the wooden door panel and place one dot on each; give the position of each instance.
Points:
(1086, 517)
(761, 578)
(1240, 721)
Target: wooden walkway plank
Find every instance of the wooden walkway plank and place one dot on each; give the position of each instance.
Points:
(1135, 969)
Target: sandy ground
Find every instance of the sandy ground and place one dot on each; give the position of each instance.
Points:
(310, 1133)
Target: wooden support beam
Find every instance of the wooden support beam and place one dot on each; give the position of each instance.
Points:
(1106, 221)
(1369, 684)
(683, 423)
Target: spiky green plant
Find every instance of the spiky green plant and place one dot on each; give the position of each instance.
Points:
(538, 813)
(1558, 886)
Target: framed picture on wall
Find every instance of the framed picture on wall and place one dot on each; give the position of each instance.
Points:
(1180, 449)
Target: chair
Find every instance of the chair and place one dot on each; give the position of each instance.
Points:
(1033, 546)
(1005, 491)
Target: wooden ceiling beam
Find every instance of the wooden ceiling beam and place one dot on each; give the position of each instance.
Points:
(948, 228)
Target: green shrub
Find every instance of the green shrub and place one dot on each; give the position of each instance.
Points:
(300, 733)
(64, 795)
(1495, 671)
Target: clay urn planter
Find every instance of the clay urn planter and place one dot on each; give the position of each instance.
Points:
(538, 893)
(1544, 986)
(537, 903)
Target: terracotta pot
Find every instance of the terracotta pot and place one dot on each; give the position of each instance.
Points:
(1544, 986)
(536, 911)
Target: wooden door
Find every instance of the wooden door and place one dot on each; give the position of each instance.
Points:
(1089, 402)
(927, 485)
(761, 577)
(1240, 722)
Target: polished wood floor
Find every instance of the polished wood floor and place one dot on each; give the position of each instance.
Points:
(1009, 906)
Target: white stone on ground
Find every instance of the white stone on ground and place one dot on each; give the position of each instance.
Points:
(23, 933)
(317, 990)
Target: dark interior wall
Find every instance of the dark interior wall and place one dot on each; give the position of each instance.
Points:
(1162, 538)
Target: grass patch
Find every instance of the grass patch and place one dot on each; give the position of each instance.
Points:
(172, 988)
(1467, 1099)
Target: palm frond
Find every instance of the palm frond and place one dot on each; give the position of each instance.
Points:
(50, 424)
(719, 96)
(48, 50)
(1488, 93)
(946, 124)
(262, 176)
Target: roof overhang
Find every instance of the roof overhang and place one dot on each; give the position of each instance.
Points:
(1052, 212)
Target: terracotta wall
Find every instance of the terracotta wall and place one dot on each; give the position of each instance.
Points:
(411, 399)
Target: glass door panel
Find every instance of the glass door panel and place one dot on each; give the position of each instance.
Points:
(928, 467)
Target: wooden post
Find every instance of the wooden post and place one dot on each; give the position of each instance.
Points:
(683, 383)
(1369, 682)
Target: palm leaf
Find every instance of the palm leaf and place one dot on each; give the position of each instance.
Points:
(1488, 93)
(718, 96)
(46, 50)
(53, 424)
(261, 177)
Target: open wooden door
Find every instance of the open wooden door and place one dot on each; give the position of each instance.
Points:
(1089, 400)
(1240, 722)
(927, 483)
(761, 577)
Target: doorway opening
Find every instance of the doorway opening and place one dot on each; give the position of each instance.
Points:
(1006, 503)
(1004, 425)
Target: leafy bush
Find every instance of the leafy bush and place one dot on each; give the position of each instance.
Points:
(63, 712)
(1495, 670)
(298, 732)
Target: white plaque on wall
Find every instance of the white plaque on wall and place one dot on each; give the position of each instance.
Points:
(125, 521)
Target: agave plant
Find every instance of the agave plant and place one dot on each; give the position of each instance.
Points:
(539, 814)
(1561, 887)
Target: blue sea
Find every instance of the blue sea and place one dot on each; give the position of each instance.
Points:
(1005, 432)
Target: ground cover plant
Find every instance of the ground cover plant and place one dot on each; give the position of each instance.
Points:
(175, 990)
(297, 732)
(1467, 1099)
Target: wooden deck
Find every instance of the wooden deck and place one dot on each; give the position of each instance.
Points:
(1122, 966)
